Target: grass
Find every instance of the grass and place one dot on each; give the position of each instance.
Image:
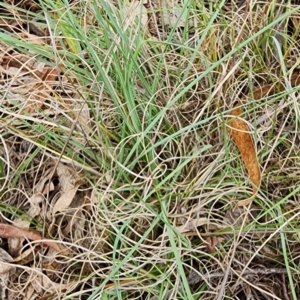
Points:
(137, 120)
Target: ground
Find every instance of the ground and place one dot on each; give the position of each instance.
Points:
(150, 149)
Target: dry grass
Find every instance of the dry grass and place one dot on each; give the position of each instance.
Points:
(118, 175)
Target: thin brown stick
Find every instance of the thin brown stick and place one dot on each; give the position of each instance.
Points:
(284, 290)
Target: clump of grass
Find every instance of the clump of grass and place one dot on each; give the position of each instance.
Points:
(143, 117)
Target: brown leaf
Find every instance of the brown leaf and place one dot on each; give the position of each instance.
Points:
(242, 138)
(212, 243)
(69, 181)
(9, 231)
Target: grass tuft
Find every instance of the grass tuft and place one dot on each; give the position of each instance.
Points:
(114, 139)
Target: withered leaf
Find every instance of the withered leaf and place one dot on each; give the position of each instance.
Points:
(239, 131)
(8, 231)
(69, 183)
(212, 243)
(241, 136)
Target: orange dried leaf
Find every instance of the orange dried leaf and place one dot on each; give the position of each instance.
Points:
(242, 138)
